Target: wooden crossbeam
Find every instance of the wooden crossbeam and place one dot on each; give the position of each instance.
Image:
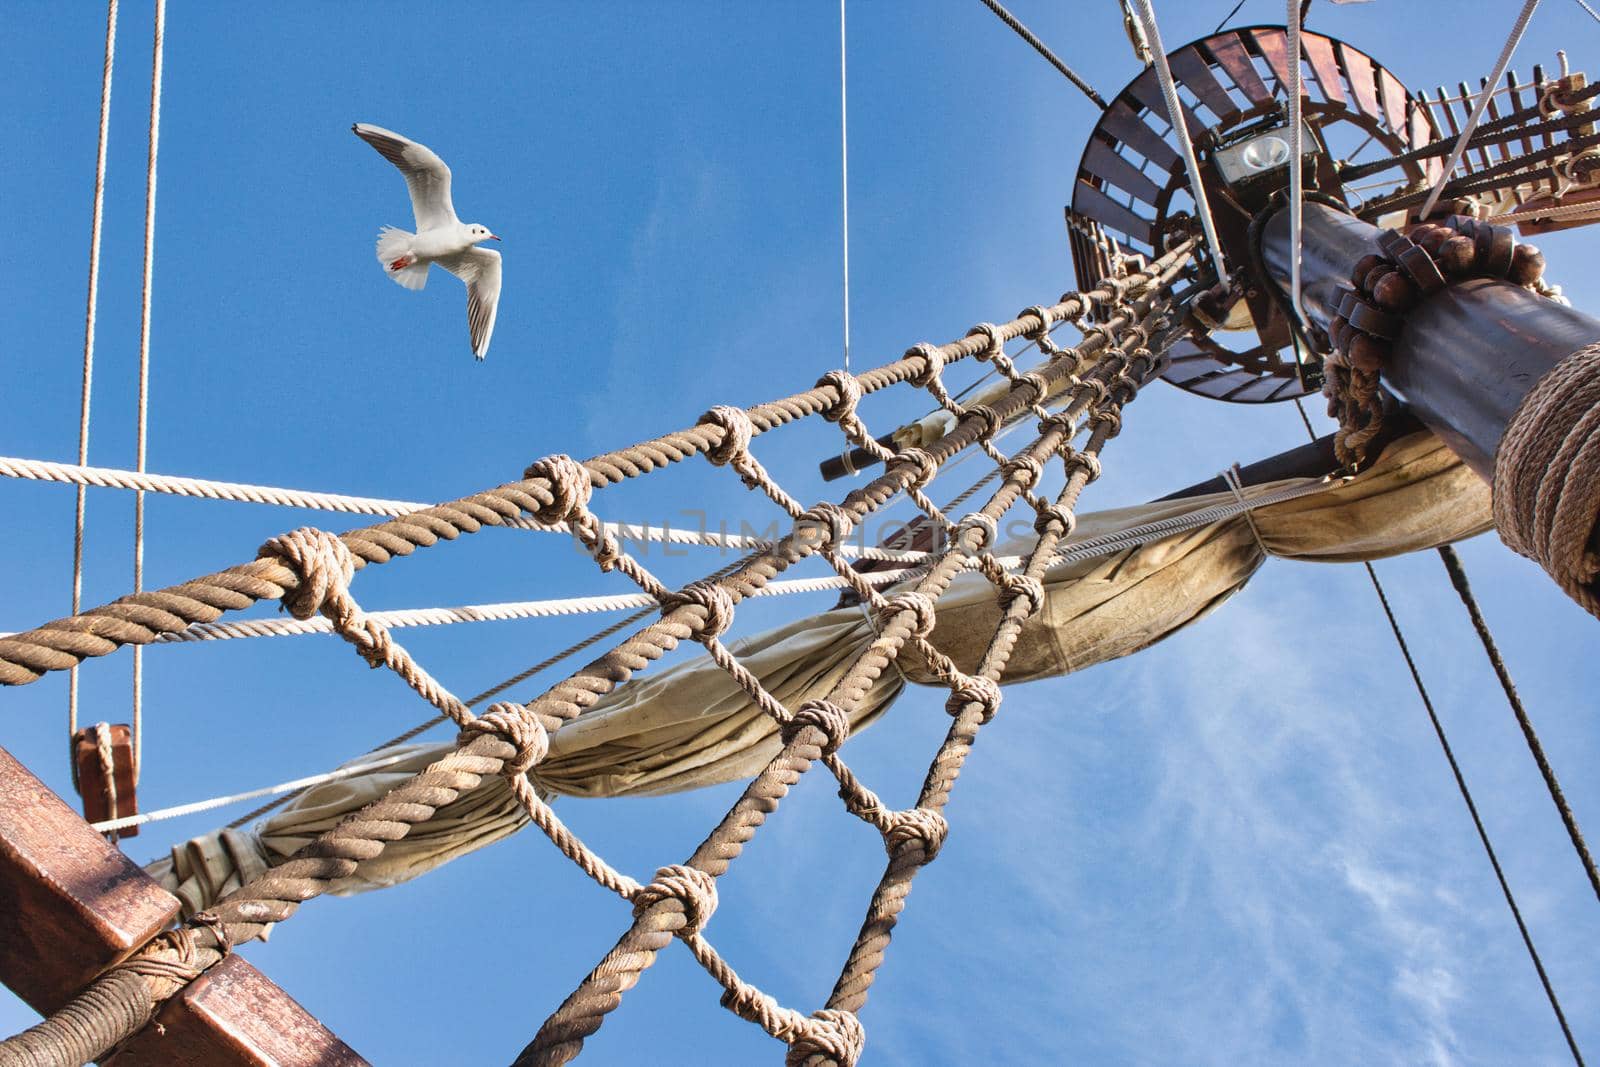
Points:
(72, 905)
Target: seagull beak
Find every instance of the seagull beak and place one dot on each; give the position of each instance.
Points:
(493, 237)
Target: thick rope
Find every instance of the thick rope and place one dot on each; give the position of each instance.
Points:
(1547, 476)
(140, 618)
(90, 310)
(144, 363)
(1458, 578)
(1472, 810)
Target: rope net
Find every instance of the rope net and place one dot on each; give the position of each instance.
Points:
(311, 571)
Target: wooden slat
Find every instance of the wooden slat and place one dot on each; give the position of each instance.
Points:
(1147, 90)
(1363, 80)
(1394, 101)
(1423, 132)
(1120, 122)
(1087, 200)
(1274, 49)
(71, 905)
(233, 1016)
(1194, 72)
(1319, 51)
(1102, 161)
(1231, 53)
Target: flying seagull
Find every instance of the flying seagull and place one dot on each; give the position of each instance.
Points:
(440, 238)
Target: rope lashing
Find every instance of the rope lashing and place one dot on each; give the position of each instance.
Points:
(826, 716)
(834, 1036)
(847, 390)
(1546, 485)
(1023, 587)
(325, 567)
(570, 487)
(924, 615)
(515, 724)
(713, 600)
(973, 689)
(695, 890)
(918, 828)
(737, 432)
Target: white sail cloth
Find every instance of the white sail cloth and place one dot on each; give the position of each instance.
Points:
(691, 726)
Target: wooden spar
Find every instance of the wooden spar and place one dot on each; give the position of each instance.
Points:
(71, 905)
(1466, 356)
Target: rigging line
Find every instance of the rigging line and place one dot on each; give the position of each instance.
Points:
(1461, 782)
(205, 489)
(88, 348)
(1039, 46)
(1592, 12)
(1090, 548)
(1478, 108)
(1227, 18)
(196, 807)
(1180, 129)
(144, 364)
(1477, 822)
(1458, 578)
(844, 182)
(1297, 179)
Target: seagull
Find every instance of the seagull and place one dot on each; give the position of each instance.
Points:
(440, 238)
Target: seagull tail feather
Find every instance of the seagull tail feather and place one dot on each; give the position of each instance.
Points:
(394, 250)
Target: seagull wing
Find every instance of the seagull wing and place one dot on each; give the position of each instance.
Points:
(426, 175)
(480, 269)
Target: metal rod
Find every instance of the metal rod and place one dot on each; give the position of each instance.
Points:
(1169, 92)
(1483, 102)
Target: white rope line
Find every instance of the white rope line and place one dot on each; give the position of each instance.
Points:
(96, 217)
(1169, 91)
(844, 182)
(1478, 108)
(42, 470)
(179, 810)
(1297, 190)
(1090, 548)
(1559, 211)
(144, 364)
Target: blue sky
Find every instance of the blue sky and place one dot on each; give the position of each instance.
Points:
(1240, 846)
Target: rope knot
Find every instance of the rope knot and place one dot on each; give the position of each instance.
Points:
(570, 487)
(323, 562)
(826, 523)
(849, 389)
(932, 357)
(986, 415)
(922, 463)
(974, 689)
(1045, 317)
(1111, 418)
(1020, 585)
(1041, 384)
(1063, 422)
(832, 1034)
(1025, 469)
(1087, 462)
(715, 601)
(986, 528)
(922, 828)
(920, 603)
(737, 431)
(826, 716)
(691, 887)
(997, 344)
(516, 726)
(1058, 517)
